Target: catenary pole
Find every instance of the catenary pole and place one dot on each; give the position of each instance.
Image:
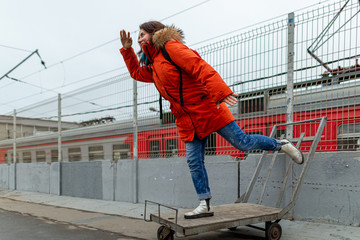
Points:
(14, 148)
(59, 141)
(34, 52)
(290, 76)
(135, 148)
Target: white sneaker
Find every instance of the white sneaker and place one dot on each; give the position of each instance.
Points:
(295, 154)
(203, 210)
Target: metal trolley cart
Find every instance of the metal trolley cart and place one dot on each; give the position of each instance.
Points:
(241, 213)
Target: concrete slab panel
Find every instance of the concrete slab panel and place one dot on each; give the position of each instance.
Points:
(82, 179)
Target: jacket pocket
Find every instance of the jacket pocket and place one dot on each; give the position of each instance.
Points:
(182, 119)
(184, 124)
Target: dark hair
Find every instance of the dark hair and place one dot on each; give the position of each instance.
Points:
(150, 27)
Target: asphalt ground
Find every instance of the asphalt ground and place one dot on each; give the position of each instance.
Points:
(15, 225)
(27, 215)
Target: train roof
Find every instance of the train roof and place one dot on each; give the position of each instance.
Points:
(36, 122)
(83, 133)
(325, 93)
(324, 81)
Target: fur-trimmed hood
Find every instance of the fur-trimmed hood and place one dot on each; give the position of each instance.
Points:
(167, 34)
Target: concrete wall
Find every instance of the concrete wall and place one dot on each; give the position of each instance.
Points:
(330, 192)
(4, 176)
(168, 181)
(82, 179)
(34, 177)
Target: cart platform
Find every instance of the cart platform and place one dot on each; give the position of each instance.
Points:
(225, 216)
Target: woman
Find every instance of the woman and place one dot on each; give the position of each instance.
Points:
(198, 101)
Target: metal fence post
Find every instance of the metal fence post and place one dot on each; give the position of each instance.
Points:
(135, 148)
(59, 140)
(14, 148)
(290, 76)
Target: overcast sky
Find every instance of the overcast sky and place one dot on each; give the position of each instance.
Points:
(62, 29)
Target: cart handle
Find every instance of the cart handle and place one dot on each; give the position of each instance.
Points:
(159, 204)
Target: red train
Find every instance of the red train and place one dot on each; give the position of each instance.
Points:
(336, 97)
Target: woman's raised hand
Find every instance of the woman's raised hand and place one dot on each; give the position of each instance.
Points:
(126, 40)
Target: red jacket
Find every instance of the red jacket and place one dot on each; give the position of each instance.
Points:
(202, 85)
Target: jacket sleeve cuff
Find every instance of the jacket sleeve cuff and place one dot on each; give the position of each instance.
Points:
(222, 94)
(123, 49)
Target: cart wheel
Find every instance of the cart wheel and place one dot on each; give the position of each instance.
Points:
(165, 233)
(232, 228)
(273, 231)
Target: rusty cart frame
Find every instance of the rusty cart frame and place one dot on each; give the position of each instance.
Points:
(241, 213)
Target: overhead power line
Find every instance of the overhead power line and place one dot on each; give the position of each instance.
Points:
(101, 110)
(258, 23)
(319, 40)
(187, 9)
(49, 90)
(99, 46)
(15, 48)
(113, 40)
(72, 83)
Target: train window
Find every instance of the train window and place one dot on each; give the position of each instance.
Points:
(249, 105)
(8, 158)
(348, 137)
(349, 128)
(167, 117)
(74, 154)
(172, 147)
(210, 148)
(54, 155)
(155, 149)
(121, 151)
(348, 144)
(11, 155)
(53, 129)
(96, 153)
(26, 157)
(40, 156)
(279, 132)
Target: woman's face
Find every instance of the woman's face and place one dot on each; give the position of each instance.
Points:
(143, 37)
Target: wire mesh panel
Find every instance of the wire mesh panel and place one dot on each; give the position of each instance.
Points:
(108, 100)
(254, 65)
(92, 120)
(327, 72)
(98, 120)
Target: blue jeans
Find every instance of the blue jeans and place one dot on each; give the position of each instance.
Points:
(195, 153)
